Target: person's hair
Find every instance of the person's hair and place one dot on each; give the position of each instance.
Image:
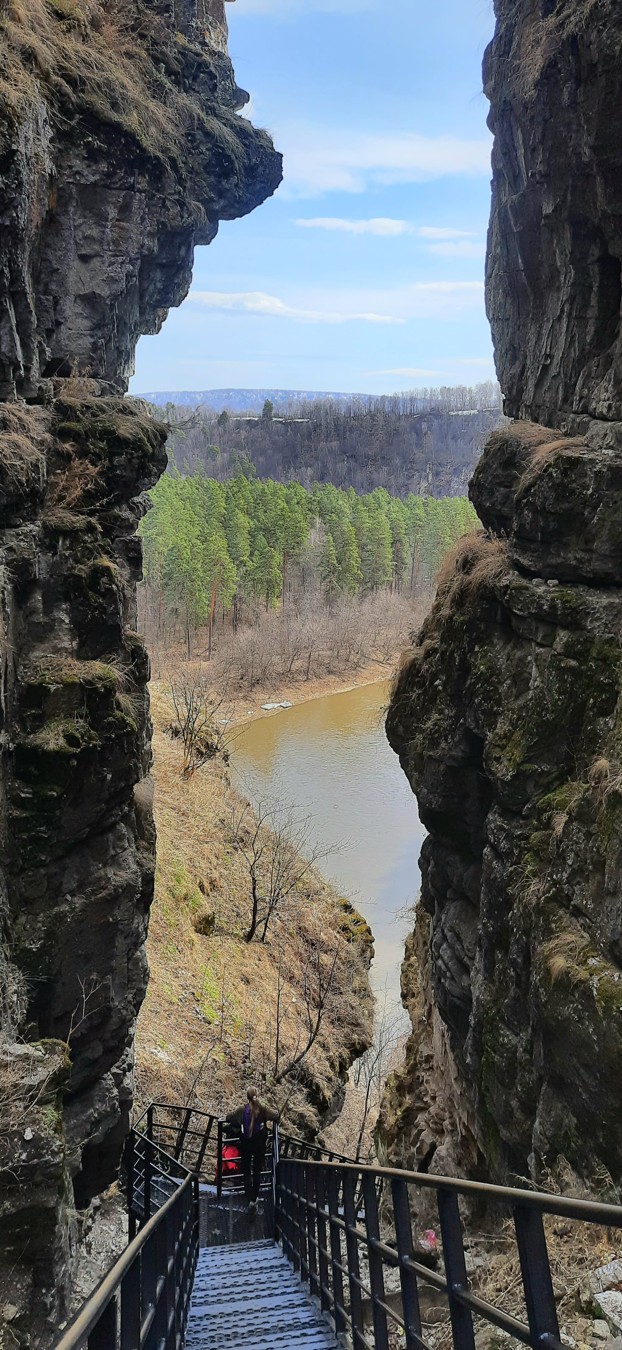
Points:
(251, 1093)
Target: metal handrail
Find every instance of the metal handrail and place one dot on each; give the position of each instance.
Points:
(590, 1211)
(131, 1295)
(324, 1233)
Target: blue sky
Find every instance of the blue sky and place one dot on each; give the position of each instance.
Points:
(364, 272)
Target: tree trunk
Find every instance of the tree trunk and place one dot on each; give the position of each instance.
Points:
(253, 924)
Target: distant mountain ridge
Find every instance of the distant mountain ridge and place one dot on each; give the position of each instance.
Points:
(244, 400)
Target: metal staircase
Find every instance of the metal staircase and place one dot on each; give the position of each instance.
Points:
(328, 1260)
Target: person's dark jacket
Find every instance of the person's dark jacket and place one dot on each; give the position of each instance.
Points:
(266, 1114)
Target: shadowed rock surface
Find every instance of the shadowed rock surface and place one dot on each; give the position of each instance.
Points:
(120, 149)
(507, 714)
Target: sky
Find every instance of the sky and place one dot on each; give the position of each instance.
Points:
(364, 273)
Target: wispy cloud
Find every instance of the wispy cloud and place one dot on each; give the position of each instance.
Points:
(473, 361)
(320, 160)
(270, 306)
(389, 227)
(380, 225)
(421, 300)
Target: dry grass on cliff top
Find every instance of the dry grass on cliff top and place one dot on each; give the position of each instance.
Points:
(93, 54)
(476, 561)
(208, 1023)
(537, 40)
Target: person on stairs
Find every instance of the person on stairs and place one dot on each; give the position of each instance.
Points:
(253, 1120)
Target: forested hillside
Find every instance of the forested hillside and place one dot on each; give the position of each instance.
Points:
(246, 546)
(427, 442)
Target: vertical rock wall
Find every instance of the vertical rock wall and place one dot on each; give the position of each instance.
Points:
(507, 715)
(108, 180)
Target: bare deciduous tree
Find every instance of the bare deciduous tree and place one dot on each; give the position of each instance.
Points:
(279, 853)
(201, 718)
(370, 1074)
(318, 987)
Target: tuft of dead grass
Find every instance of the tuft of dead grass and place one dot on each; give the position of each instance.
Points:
(478, 560)
(538, 40)
(23, 442)
(565, 956)
(568, 447)
(92, 54)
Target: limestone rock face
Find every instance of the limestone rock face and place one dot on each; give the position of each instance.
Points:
(120, 150)
(108, 179)
(552, 74)
(507, 715)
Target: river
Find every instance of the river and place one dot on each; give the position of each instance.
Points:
(330, 760)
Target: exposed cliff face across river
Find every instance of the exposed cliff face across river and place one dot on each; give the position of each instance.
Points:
(507, 717)
(120, 149)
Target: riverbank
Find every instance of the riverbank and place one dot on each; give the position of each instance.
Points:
(295, 692)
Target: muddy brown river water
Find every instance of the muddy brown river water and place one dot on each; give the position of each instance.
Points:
(330, 760)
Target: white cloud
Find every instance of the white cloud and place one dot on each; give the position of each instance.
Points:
(269, 306)
(421, 300)
(319, 160)
(447, 243)
(380, 225)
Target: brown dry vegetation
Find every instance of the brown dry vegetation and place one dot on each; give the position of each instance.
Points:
(538, 39)
(23, 440)
(209, 1022)
(104, 55)
(477, 560)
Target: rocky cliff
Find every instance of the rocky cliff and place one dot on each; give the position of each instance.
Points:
(120, 149)
(507, 715)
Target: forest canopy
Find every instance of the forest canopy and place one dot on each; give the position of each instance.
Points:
(252, 545)
(404, 443)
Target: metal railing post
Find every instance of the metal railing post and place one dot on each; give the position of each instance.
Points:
(455, 1269)
(405, 1249)
(276, 1226)
(311, 1200)
(130, 1152)
(536, 1273)
(336, 1253)
(104, 1335)
(376, 1269)
(219, 1160)
(147, 1180)
(352, 1249)
(322, 1240)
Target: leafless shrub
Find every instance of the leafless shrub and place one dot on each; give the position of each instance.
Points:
(318, 988)
(279, 853)
(369, 1076)
(201, 718)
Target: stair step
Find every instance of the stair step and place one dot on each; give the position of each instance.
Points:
(253, 1285)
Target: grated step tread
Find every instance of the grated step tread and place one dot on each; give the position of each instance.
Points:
(253, 1286)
